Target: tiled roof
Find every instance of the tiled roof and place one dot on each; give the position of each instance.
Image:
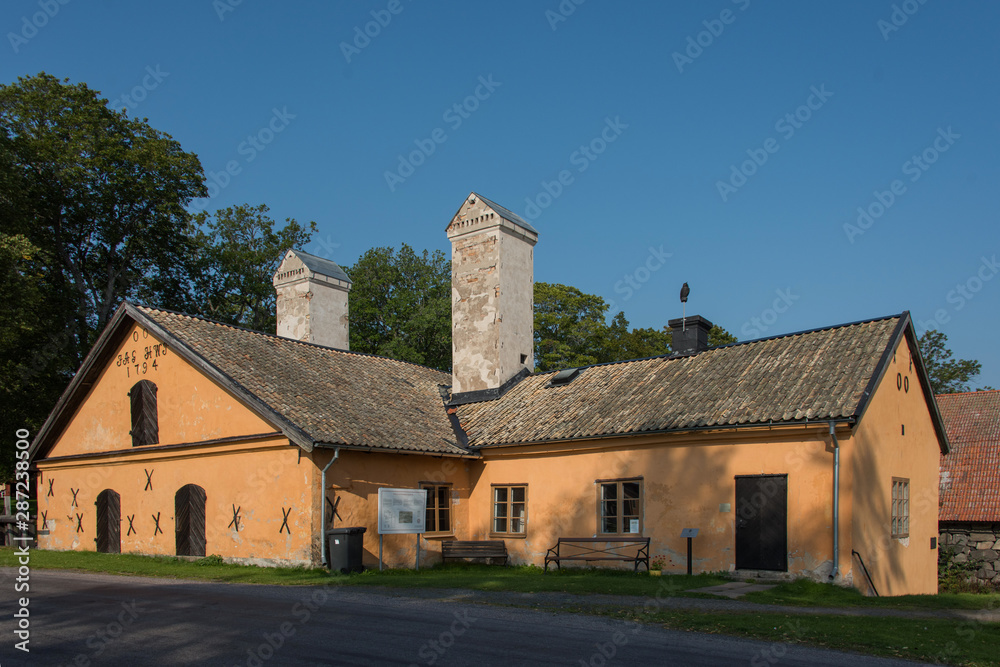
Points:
(332, 396)
(970, 474)
(816, 375)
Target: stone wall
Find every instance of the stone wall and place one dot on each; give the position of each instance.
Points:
(977, 543)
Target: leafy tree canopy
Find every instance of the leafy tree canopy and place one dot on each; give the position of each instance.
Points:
(400, 305)
(570, 331)
(92, 211)
(947, 375)
(236, 252)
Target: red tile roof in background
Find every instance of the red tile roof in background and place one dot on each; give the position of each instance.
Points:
(970, 474)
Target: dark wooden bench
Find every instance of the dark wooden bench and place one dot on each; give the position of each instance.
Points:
(633, 550)
(474, 549)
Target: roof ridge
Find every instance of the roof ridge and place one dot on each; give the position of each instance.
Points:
(971, 393)
(728, 345)
(277, 337)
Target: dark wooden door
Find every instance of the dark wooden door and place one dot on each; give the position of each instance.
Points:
(762, 523)
(109, 522)
(189, 520)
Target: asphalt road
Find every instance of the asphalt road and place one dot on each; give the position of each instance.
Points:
(87, 619)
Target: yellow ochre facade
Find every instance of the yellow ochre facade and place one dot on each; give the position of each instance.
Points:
(184, 436)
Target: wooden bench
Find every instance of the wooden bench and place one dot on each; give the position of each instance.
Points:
(474, 549)
(628, 549)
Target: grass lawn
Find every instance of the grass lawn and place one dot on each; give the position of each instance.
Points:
(803, 592)
(527, 579)
(532, 579)
(931, 640)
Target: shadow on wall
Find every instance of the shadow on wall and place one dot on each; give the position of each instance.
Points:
(881, 553)
(682, 487)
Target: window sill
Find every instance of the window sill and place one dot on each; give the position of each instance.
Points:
(508, 536)
(438, 536)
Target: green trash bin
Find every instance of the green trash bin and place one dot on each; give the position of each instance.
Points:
(345, 549)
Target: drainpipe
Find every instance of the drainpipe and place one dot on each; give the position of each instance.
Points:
(322, 506)
(836, 503)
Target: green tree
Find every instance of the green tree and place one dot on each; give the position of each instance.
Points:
(569, 327)
(101, 195)
(570, 331)
(400, 305)
(92, 211)
(236, 252)
(947, 375)
(635, 343)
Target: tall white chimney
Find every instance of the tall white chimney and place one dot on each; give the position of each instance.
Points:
(492, 299)
(312, 300)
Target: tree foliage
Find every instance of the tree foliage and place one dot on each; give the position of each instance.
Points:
(569, 327)
(400, 305)
(947, 375)
(570, 331)
(236, 252)
(91, 212)
(100, 194)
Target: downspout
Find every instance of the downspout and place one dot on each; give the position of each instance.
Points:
(322, 507)
(836, 503)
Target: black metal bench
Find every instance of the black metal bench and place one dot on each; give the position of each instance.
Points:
(586, 549)
(474, 549)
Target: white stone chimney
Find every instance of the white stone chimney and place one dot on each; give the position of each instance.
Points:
(312, 300)
(492, 298)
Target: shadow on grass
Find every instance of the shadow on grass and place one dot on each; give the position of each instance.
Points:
(532, 579)
(804, 592)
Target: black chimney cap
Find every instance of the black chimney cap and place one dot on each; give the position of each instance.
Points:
(690, 334)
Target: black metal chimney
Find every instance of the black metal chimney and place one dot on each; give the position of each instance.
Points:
(690, 334)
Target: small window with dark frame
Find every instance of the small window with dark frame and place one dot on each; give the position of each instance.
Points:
(438, 507)
(510, 510)
(900, 507)
(620, 507)
(145, 427)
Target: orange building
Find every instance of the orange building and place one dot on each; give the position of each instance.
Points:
(806, 454)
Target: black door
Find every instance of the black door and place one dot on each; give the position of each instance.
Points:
(109, 522)
(762, 523)
(189, 519)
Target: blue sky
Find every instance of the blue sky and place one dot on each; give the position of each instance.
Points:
(728, 143)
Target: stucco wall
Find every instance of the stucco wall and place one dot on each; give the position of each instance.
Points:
(492, 298)
(190, 407)
(687, 483)
(355, 479)
(260, 477)
(898, 566)
(517, 322)
(311, 307)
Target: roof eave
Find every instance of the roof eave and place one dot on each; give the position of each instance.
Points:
(904, 328)
(803, 423)
(368, 449)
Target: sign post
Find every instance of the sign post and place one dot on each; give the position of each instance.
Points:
(690, 534)
(400, 512)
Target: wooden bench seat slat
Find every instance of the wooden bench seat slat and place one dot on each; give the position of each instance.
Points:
(474, 549)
